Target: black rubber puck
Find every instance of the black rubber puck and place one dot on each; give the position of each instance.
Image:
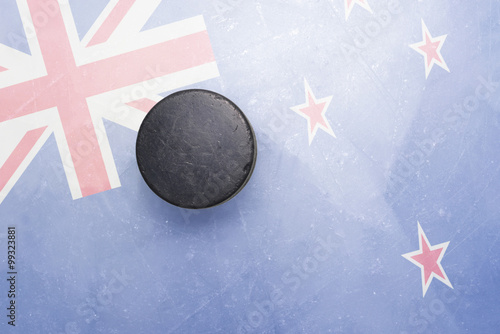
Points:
(196, 149)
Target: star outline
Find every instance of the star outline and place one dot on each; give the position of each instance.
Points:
(417, 47)
(349, 5)
(409, 256)
(298, 109)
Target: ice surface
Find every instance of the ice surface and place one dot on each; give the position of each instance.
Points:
(313, 244)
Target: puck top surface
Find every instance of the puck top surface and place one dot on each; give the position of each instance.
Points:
(196, 149)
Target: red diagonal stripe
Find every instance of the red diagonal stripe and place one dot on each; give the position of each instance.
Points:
(142, 104)
(18, 155)
(111, 22)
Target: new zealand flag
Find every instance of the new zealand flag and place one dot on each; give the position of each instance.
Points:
(374, 206)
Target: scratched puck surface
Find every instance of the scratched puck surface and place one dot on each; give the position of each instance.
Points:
(196, 149)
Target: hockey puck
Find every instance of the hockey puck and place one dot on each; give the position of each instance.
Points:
(196, 149)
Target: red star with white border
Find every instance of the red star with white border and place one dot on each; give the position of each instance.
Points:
(314, 111)
(349, 4)
(428, 259)
(430, 48)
